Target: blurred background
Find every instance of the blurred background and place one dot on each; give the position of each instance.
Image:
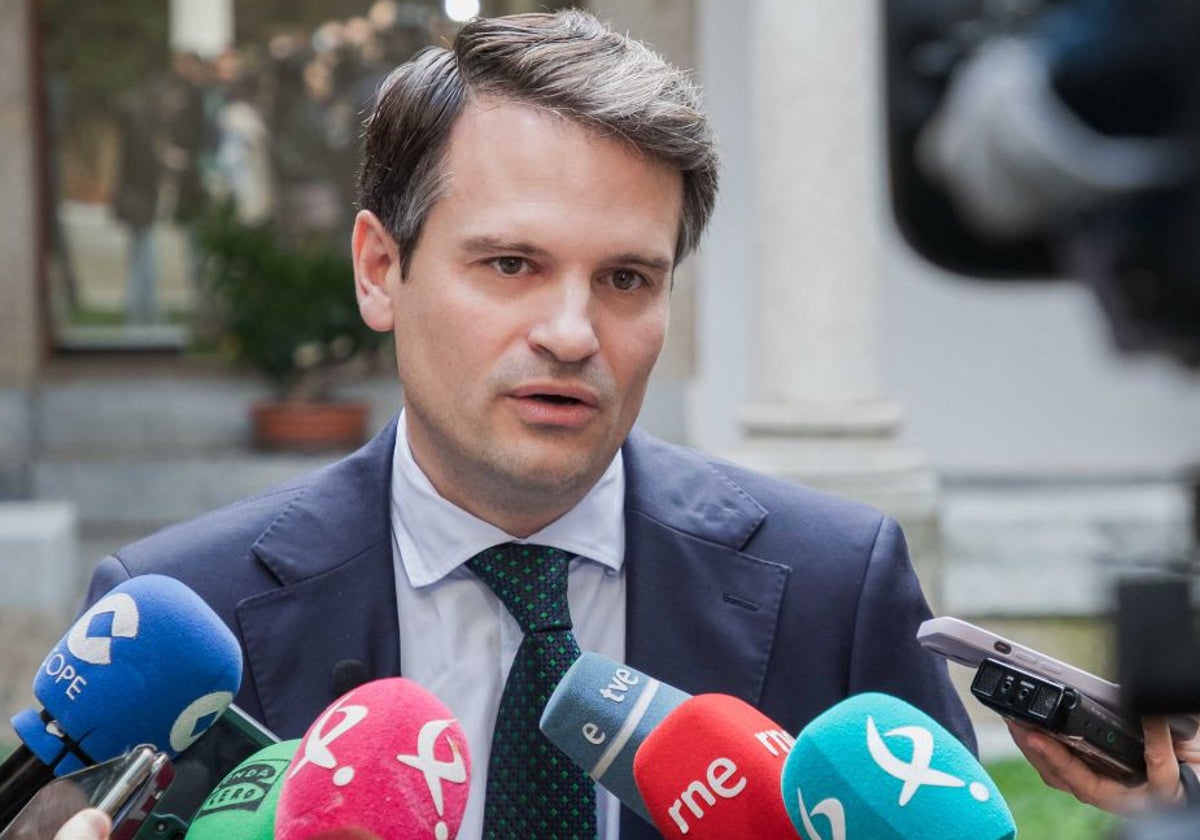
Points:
(177, 182)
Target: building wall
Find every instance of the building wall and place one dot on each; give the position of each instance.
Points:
(725, 264)
(1022, 379)
(20, 326)
(994, 379)
(20, 333)
(669, 27)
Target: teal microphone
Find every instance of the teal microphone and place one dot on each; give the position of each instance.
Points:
(875, 766)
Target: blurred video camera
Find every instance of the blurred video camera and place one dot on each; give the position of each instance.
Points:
(1158, 653)
(1030, 139)
(1035, 139)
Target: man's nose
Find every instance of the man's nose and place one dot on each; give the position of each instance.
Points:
(564, 328)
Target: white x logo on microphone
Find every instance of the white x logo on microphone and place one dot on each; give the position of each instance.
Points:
(915, 773)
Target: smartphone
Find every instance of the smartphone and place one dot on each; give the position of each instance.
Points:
(234, 737)
(135, 790)
(1098, 735)
(969, 645)
(127, 788)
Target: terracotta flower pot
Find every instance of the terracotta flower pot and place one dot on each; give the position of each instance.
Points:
(309, 426)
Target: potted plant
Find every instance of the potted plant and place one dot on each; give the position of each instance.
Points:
(288, 311)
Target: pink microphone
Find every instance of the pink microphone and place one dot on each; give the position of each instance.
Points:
(386, 760)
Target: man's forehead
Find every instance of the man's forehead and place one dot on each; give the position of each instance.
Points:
(486, 113)
(483, 112)
(494, 136)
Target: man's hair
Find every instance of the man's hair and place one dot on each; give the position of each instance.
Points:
(568, 63)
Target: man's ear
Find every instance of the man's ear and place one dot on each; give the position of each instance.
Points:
(376, 270)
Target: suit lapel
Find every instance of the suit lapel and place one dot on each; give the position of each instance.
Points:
(700, 613)
(699, 616)
(331, 551)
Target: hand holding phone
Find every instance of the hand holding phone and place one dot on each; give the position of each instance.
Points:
(1064, 770)
(1063, 767)
(969, 645)
(126, 789)
(1102, 739)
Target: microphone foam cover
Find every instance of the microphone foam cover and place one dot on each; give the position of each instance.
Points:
(242, 806)
(711, 769)
(875, 766)
(600, 714)
(148, 663)
(387, 758)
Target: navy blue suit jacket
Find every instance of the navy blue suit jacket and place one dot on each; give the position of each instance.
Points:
(737, 583)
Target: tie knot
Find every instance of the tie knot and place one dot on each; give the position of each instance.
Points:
(531, 582)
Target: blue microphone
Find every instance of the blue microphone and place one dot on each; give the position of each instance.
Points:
(600, 714)
(875, 766)
(148, 663)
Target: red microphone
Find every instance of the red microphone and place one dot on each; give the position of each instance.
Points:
(386, 760)
(712, 768)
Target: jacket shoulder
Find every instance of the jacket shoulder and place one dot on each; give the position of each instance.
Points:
(289, 533)
(669, 481)
(223, 535)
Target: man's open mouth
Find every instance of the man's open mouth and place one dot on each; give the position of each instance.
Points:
(556, 399)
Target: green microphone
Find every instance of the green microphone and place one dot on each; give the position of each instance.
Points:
(242, 806)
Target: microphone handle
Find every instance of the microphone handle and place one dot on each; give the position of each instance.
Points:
(22, 775)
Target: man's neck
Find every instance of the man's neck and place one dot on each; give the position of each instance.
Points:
(519, 508)
(520, 517)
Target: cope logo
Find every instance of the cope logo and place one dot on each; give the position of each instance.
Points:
(90, 641)
(196, 718)
(246, 788)
(122, 612)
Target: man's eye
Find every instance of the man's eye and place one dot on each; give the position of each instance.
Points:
(626, 281)
(509, 266)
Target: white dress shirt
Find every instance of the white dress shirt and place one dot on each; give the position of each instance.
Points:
(456, 637)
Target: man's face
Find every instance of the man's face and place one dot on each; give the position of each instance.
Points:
(534, 307)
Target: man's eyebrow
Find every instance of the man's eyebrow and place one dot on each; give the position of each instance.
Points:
(661, 265)
(492, 244)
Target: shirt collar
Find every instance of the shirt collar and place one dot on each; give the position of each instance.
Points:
(434, 536)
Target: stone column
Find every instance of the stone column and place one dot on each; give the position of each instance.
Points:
(668, 26)
(21, 320)
(39, 587)
(816, 412)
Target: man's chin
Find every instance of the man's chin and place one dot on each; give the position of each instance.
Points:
(553, 470)
(550, 479)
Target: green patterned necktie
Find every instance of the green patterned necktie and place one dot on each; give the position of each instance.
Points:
(533, 789)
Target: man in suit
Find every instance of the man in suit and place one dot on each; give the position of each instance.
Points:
(526, 197)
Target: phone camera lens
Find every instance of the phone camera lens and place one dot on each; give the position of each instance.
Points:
(987, 679)
(1044, 702)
